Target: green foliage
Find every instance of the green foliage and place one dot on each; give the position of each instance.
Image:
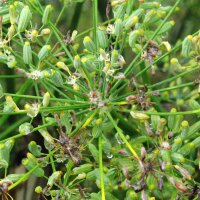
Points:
(107, 110)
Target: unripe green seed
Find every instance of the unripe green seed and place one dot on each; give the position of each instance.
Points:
(27, 53)
(11, 32)
(46, 99)
(140, 116)
(118, 27)
(89, 44)
(47, 14)
(45, 31)
(83, 168)
(133, 37)
(38, 189)
(44, 52)
(131, 21)
(150, 5)
(186, 46)
(177, 157)
(24, 19)
(53, 178)
(12, 13)
(166, 27)
(102, 38)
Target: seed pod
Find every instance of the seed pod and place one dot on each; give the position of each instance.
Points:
(171, 119)
(25, 128)
(47, 14)
(187, 149)
(73, 37)
(24, 19)
(114, 57)
(82, 169)
(185, 128)
(19, 6)
(193, 131)
(89, 44)
(10, 105)
(27, 53)
(81, 176)
(5, 149)
(154, 121)
(166, 27)
(95, 153)
(34, 148)
(131, 21)
(194, 105)
(133, 18)
(32, 110)
(139, 116)
(4, 10)
(45, 31)
(183, 172)
(53, 178)
(12, 13)
(46, 99)
(150, 17)
(177, 157)
(44, 52)
(119, 11)
(93, 175)
(149, 5)
(38, 189)
(130, 5)
(102, 38)
(133, 37)
(118, 27)
(63, 66)
(34, 35)
(11, 32)
(30, 163)
(196, 142)
(177, 144)
(77, 62)
(186, 46)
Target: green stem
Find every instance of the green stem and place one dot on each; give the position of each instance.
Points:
(174, 77)
(103, 196)
(95, 22)
(119, 131)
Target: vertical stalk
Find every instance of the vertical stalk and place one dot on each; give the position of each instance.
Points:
(103, 196)
(95, 22)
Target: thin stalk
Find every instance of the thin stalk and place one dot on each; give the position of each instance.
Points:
(103, 196)
(95, 23)
(40, 97)
(166, 113)
(174, 77)
(119, 131)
